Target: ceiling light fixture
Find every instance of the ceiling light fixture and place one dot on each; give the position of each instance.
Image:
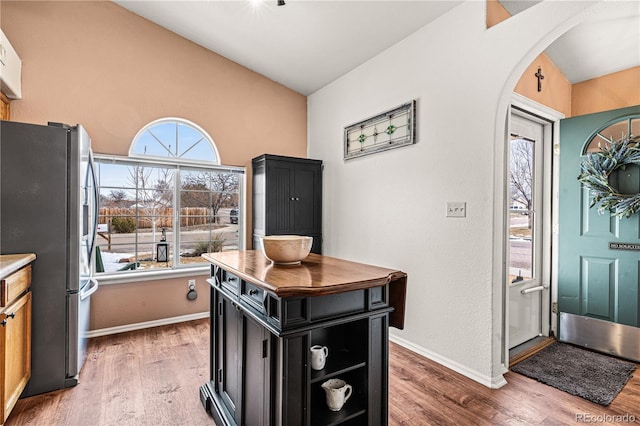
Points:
(281, 3)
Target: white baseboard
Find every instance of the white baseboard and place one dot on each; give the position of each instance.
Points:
(146, 324)
(490, 382)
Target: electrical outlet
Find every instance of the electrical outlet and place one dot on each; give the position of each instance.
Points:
(191, 285)
(456, 209)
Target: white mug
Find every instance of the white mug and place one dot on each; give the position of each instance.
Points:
(319, 356)
(338, 392)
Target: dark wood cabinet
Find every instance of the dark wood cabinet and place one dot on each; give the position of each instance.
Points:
(262, 334)
(241, 345)
(287, 198)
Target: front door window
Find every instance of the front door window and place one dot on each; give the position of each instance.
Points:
(525, 285)
(521, 210)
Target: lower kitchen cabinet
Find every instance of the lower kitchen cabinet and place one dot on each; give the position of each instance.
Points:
(15, 339)
(261, 360)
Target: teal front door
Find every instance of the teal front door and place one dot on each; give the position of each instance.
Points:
(594, 280)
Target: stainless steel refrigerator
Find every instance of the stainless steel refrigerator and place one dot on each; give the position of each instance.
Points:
(48, 206)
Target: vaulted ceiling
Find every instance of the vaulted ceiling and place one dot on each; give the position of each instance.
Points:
(305, 45)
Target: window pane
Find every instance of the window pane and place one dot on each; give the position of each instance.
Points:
(521, 209)
(193, 145)
(635, 127)
(614, 132)
(136, 204)
(208, 213)
(174, 139)
(138, 211)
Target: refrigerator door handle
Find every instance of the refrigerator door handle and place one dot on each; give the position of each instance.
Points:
(91, 288)
(92, 175)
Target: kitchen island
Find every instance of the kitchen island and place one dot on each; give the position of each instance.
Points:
(266, 317)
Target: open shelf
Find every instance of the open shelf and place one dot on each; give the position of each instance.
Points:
(354, 410)
(332, 418)
(339, 363)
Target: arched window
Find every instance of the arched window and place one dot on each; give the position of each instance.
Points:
(168, 202)
(628, 126)
(175, 139)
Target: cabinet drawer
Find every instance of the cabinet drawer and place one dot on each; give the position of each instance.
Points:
(230, 282)
(14, 285)
(253, 296)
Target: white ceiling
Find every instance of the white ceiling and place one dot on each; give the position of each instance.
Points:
(306, 44)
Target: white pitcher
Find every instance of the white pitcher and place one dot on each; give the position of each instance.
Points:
(319, 356)
(338, 392)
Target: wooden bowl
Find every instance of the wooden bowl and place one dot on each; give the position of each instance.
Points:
(286, 249)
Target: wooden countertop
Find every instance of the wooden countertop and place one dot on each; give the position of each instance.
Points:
(317, 275)
(10, 263)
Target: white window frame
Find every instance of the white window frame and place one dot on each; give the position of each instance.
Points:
(182, 121)
(177, 164)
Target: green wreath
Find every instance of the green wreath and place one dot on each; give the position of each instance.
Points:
(597, 168)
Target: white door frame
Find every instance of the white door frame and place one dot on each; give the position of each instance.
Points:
(550, 119)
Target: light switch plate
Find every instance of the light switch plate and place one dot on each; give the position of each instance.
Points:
(456, 209)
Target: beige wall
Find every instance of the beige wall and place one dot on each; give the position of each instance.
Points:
(613, 91)
(122, 304)
(556, 89)
(95, 63)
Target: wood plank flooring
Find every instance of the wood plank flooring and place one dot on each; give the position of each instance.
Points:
(153, 376)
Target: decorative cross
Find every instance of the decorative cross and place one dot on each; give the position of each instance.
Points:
(540, 78)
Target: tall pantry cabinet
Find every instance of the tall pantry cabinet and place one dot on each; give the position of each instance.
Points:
(287, 198)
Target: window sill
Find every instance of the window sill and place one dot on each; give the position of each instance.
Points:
(134, 277)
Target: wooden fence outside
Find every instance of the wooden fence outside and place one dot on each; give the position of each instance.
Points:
(189, 216)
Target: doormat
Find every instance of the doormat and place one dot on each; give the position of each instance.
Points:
(581, 372)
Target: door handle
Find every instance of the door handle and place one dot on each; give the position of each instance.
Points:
(92, 288)
(532, 289)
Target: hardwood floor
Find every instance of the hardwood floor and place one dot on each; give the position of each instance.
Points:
(153, 376)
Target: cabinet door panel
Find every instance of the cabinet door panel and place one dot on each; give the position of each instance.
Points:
(16, 348)
(278, 203)
(256, 374)
(229, 350)
(306, 204)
